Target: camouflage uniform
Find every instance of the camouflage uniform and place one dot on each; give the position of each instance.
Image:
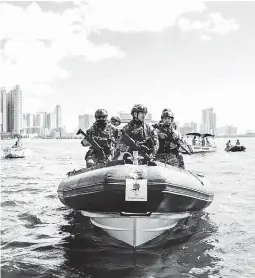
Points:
(180, 160)
(141, 132)
(115, 121)
(168, 152)
(106, 136)
(179, 154)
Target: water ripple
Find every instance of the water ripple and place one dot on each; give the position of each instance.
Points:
(42, 238)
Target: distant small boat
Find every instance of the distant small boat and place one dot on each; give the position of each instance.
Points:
(200, 147)
(236, 149)
(14, 152)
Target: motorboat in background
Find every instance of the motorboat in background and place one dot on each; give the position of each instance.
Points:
(15, 152)
(200, 143)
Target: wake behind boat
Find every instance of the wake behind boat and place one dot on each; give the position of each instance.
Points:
(135, 203)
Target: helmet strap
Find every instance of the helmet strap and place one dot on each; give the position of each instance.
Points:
(166, 124)
(135, 118)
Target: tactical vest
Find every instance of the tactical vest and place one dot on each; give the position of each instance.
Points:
(139, 132)
(166, 146)
(106, 133)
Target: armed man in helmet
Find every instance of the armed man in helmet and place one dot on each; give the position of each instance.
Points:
(179, 155)
(168, 137)
(143, 135)
(115, 121)
(105, 135)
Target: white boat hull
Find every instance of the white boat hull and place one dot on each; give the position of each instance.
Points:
(201, 149)
(14, 152)
(135, 230)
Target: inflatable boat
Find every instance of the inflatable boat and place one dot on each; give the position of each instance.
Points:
(236, 149)
(135, 203)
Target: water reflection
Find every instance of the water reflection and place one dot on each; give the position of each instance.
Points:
(90, 252)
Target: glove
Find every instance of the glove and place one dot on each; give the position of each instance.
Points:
(84, 142)
(162, 135)
(90, 163)
(175, 136)
(138, 144)
(100, 139)
(151, 156)
(144, 148)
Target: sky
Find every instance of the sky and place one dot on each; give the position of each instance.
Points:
(182, 55)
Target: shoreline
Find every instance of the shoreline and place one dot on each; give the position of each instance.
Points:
(77, 138)
(236, 136)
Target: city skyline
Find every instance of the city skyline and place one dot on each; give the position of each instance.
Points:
(192, 55)
(14, 121)
(50, 123)
(85, 121)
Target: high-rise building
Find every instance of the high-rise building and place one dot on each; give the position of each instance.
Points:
(208, 121)
(250, 131)
(9, 112)
(58, 114)
(185, 129)
(29, 123)
(42, 123)
(30, 120)
(24, 123)
(148, 117)
(40, 119)
(49, 121)
(3, 111)
(227, 130)
(192, 127)
(86, 121)
(14, 100)
(125, 117)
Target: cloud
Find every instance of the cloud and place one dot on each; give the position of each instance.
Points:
(215, 23)
(33, 45)
(37, 89)
(186, 25)
(205, 38)
(222, 25)
(135, 16)
(30, 61)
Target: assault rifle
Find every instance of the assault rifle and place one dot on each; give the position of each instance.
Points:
(93, 143)
(171, 138)
(136, 147)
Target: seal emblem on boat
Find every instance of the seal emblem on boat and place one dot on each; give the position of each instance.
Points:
(136, 187)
